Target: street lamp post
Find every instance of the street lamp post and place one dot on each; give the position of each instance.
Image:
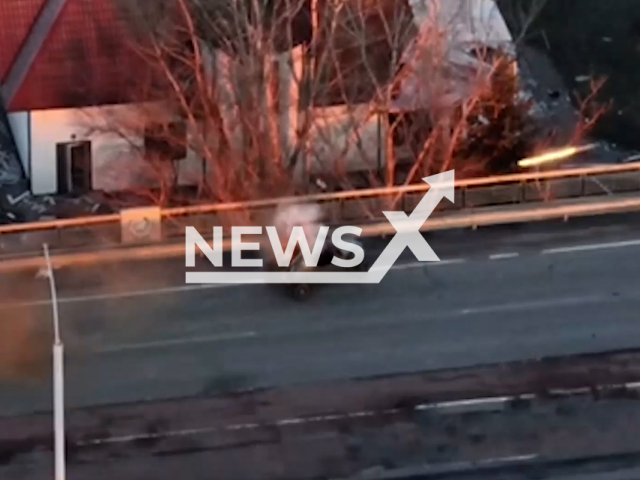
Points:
(58, 379)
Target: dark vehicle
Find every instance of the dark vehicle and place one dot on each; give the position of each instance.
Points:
(301, 291)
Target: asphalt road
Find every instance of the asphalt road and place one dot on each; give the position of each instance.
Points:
(579, 437)
(137, 332)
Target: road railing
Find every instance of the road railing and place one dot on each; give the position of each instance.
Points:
(152, 225)
(619, 177)
(481, 217)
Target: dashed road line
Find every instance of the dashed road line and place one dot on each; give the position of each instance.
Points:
(401, 266)
(183, 288)
(412, 265)
(537, 304)
(592, 247)
(455, 406)
(114, 295)
(501, 256)
(175, 342)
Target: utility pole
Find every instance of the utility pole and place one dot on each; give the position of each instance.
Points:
(58, 379)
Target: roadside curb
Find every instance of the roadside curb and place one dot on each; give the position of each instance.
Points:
(489, 388)
(482, 404)
(455, 407)
(526, 465)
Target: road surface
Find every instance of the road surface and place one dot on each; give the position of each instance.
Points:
(519, 440)
(137, 332)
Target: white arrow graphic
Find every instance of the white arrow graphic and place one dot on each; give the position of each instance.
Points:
(408, 236)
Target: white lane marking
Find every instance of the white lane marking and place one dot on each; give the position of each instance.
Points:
(333, 327)
(462, 406)
(536, 304)
(411, 265)
(510, 459)
(503, 307)
(473, 402)
(116, 295)
(591, 247)
(461, 466)
(500, 256)
(177, 341)
(184, 288)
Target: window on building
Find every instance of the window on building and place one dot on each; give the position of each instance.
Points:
(166, 141)
(74, 168)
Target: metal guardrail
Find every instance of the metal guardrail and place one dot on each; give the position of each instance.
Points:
(469, 219)
(502, 180)
(349, 206)
(495, 181)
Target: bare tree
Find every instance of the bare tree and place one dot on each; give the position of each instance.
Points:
(590, 110)
(521, 15)
(444, 102)
(269, 93)
(222, 94)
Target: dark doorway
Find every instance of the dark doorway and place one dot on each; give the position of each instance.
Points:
(74, 169)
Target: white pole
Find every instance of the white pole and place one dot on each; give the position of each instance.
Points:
(58, 379)
(58, 411)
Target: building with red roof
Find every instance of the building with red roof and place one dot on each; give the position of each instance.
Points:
(60, 62)
(65, 53)
(66, 63)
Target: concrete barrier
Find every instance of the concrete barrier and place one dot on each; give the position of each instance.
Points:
(30, 242)
(461, 219)
(411, 200)
(175, 227)
(98, 236)
(554, 189)
(361, 209)
(612, 183)
(358, 206)
(490, 196)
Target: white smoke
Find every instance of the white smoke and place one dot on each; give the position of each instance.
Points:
(308, 216)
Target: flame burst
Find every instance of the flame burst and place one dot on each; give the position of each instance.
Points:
(553, 156)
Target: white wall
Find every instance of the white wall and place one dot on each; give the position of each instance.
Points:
(116, 164)
(340, 137)
(466, 21)
(344, 139)
(19, 123)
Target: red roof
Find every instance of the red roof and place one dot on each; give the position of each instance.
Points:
(87, 59)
